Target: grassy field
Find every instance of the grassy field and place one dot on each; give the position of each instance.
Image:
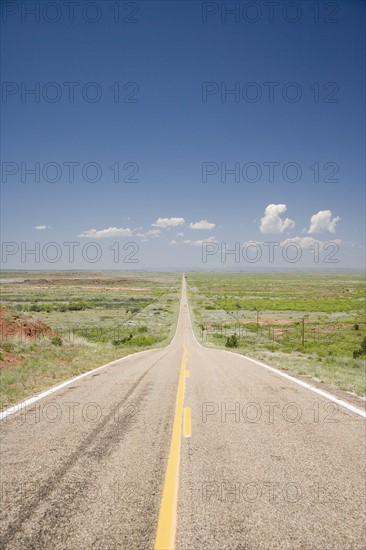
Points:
(308, 324)
(94, 318)
(305, 323)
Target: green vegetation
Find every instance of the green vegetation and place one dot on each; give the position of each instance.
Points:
(94, 318)
(232, 341)
(306, 323)
(361, 351)
(56, 340)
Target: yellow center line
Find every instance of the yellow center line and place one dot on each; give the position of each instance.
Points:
(167, 522)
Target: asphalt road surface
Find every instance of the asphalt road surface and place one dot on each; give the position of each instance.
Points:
(183, 447)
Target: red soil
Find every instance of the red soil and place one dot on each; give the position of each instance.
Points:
(20, 327)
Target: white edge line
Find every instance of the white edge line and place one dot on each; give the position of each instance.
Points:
(323, 393)
(15, 408)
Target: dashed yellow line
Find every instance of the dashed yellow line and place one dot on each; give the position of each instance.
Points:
(167, 522)
(187, 422)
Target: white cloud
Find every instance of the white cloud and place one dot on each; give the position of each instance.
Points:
(307, 242)
(153, 233)
(42, 227)
(200, 242)
(203, 224)
(109, 232)
(322, 221)
(180, 234)
(149, 233)
(168, 222)
(173, 242)
(272, 222)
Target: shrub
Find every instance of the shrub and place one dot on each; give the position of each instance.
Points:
(121, 341)
(232, 341)
(76, 306)
(363, 345)
(56, 341)
(361, 351)
(143, 328)
(118, 341)
(140, 340)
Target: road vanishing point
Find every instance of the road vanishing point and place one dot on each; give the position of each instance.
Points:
(183, 447)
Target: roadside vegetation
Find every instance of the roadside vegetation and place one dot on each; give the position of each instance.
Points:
(58, 325)
(310, 324)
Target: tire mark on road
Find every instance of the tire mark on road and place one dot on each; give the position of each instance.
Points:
(28, 509)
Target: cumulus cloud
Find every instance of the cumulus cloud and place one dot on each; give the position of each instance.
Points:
(42, 227)
(153, 233)
(180, 234)
(322, 221)
(200, 242)
(307, 242)
(149, 233)
(173, 241)
(168, 222)
(203, 224)
(272, 222)
(109, 232)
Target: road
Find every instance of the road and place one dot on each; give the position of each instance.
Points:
(183, 447)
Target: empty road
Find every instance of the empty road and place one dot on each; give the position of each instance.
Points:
(183, 447)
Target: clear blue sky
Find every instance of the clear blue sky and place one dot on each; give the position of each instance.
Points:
(170, 50)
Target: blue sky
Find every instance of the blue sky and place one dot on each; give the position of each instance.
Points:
(167, 126)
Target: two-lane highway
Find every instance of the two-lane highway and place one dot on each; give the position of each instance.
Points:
(183, 447)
